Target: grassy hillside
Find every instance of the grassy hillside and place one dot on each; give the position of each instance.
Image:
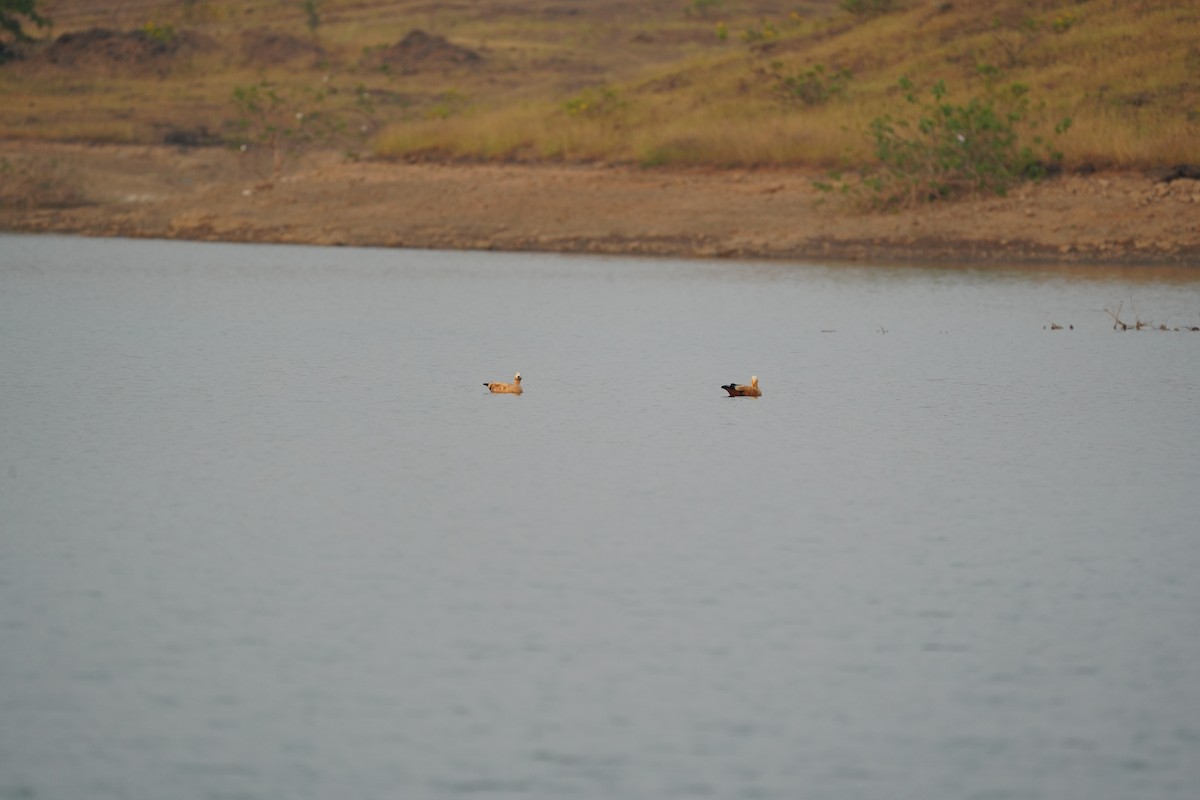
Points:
(637, 81)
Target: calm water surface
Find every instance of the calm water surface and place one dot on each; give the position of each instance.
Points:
(266, 535)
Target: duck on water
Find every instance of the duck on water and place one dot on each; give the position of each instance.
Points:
(506, 388)
(742, 390)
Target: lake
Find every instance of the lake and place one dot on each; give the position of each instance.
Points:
(267, 535)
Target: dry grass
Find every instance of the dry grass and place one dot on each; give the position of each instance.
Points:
(1121, 137)
(1127, 73)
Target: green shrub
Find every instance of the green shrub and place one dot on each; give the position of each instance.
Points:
(14, 16)
(811, 87)
(951, 149)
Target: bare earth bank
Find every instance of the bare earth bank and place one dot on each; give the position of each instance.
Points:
(215, 194)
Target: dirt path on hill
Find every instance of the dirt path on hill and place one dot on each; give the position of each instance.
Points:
(215, 194)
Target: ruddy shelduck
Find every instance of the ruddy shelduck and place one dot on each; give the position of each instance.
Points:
(506, 388)
(744, 391)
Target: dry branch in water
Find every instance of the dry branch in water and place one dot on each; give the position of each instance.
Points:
(1118, 324)
(1138, 323)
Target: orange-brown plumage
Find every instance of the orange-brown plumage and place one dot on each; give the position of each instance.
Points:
(506, 388)
(742, 390)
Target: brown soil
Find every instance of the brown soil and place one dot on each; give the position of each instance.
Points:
(419, 51)
(119, 51)
(216, 194)
(263, 47)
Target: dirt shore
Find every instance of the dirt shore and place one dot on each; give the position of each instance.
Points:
(216, 194)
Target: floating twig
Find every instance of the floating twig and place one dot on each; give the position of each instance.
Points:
(1116, 315)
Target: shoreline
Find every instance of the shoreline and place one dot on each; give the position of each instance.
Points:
(209, 194)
